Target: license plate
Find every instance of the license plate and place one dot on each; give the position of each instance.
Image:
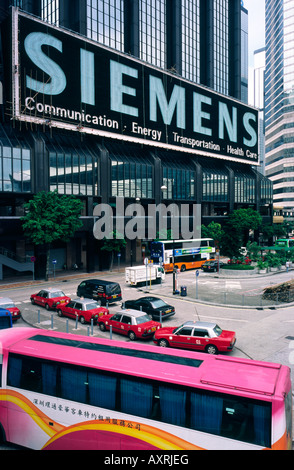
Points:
(62, 301)
(153, 328)
(114, 296)
(167, 311)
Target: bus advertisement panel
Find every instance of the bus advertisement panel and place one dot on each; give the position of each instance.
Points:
(182, 254)
(65, 391)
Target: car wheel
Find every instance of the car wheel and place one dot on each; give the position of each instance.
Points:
(211, 349)
(183, 268)
(102, 327)
(131, 335)
(82, 320)
(163, 343)
(59, 313)
(33, 302)
(47, 307)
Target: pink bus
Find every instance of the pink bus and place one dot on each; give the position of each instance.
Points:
(64, 391)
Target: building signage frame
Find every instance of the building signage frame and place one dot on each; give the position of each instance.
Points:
(63, 80)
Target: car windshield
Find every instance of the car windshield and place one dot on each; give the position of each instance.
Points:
(92, 305)
(7, 305)
(209, 262)
(142, 319)
(177, 328)
(158, 303)
(59, 293)
(217, 330)
(113, 289)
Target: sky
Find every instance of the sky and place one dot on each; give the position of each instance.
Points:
(256, 26)
(256, 36)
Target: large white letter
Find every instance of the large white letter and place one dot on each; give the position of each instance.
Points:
(87, 77)
(177, 99)
(33, 46)
(117, 89)
(198, 114)
(225, 118)
(251, 131)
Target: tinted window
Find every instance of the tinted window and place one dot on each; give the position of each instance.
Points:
(202, 333)
(116, 317)
(185, 331)
(5, 322)
(113, 288)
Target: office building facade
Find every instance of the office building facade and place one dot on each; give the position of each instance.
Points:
(279, 102)
(133, 99)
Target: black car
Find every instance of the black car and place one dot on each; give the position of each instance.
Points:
(105, 291)
(153, 306)
(211, 265)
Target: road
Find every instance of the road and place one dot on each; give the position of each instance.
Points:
(265, 334)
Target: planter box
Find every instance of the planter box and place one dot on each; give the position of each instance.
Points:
(262, 271)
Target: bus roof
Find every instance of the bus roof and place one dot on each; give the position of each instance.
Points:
(221, 373)
(190, 240)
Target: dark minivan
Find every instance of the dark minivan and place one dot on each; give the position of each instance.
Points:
(105, 291)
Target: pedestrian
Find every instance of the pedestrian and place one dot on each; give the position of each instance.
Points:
(287, 265)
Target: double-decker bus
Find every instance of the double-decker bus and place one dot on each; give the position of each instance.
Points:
(182, 254)
(65, 391)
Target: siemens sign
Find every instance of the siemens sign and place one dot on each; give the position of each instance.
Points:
(66, 81)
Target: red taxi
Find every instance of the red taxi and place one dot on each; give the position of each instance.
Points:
(129, 323)
(8, 304)
(84, 309)
(50, 298)
(200, 336)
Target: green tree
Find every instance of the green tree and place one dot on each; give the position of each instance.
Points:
(113, 245)
(213, 230)
(50, 217)
(237, 229)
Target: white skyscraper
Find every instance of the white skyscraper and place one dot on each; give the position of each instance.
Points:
(279, 102)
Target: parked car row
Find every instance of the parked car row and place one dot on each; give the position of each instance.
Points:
(137, 319)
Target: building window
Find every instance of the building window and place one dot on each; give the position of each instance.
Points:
(15, 169)
(73, 172)
(221, 46)
(50, 11)
(245, 189)
(130, 178)
(180, 183)
(152, 32)
(215, 187)
(191, 40)
(105, 22)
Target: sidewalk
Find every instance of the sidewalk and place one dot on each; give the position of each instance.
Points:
(60, 276)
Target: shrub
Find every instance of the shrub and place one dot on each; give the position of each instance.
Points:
(238, 267)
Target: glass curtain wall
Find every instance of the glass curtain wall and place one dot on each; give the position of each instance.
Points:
(131, 173)
(50, 11)
(152, 32)
(221, 46)
(105, 22)
(191, 40)
(15, 164)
